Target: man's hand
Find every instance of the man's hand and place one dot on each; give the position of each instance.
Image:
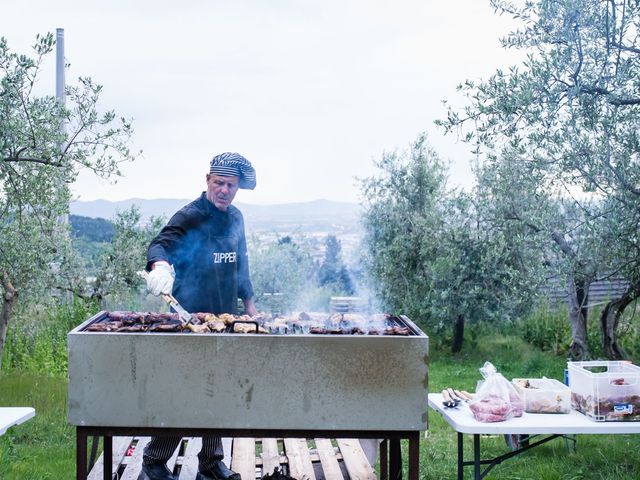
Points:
(249, 307)
(160, 279)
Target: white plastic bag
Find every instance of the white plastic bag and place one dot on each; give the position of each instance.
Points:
(496, 400)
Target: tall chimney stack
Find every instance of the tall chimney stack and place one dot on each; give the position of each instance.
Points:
(60, 89)
(60, 84)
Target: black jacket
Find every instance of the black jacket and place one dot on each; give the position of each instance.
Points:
(208, 250)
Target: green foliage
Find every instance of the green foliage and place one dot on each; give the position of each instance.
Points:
(126, 255)
(43, 146)
(547, 328)
(90, 252)
(629, 333)
(92, 229)
(117, 264)
(333, 273)
(37, 343)
(280, 273)
(433, 253)
(286, 277)
(402, 216)
(91, 238)
(565, 122)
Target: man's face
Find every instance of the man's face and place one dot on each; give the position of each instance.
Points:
(221, 190)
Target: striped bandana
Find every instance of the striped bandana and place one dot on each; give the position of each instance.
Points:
(230, 164)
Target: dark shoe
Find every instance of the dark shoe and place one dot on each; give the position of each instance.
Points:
(219, 471)
(156, 471)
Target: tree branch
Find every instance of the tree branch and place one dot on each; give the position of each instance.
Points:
(16, 159)
(613, 100)
(512, 215)
(563, 244)
(576, 73)
(624, 101)
(625, 48)
(594, 90)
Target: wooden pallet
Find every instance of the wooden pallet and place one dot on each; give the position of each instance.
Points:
(252, 458)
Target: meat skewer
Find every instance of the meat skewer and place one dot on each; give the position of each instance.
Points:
(463, 395)
(447, 400)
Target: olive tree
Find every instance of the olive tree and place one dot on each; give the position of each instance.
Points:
(116, 271)
(556, 232)
(569, 114)
(432, 252)
(38, 161)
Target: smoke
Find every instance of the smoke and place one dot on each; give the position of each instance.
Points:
(289, 277)
(136, 301)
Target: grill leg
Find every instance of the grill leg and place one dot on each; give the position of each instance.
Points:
(107, 457)
(384, 459)
(81, 454)
(395, 460)
(414, 456)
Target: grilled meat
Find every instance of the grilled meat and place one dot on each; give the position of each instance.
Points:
(301, 322)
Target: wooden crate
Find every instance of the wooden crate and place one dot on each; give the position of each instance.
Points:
(252, 458)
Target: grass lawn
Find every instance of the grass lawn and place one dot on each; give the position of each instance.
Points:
(44, 447)
(596, 456)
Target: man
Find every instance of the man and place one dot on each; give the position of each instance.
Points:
(201, 257)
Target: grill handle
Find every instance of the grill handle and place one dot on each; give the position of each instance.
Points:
(232, 325)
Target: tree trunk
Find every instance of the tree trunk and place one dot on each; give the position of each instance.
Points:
(8, 299)
(582, 297)
(458, 334)
(577, 302)
(578, 349)
(609, 319)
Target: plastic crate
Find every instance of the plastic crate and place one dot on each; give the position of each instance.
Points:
(606, 391)
(543, 395)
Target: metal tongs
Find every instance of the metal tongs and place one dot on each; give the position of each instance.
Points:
(451, 398)
(185, 317)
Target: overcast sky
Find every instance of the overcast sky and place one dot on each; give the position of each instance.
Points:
(311, 92)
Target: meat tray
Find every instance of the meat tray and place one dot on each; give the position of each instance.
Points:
(605, 391)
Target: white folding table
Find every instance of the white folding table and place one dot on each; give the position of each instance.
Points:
(553, 425)
(10, 416)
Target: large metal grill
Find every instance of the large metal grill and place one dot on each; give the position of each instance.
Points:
(246, 380)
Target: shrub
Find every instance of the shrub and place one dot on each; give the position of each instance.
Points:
(37, 340)
(548, 328)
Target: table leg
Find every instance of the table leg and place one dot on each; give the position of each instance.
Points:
(476, 457)
(384, 459)
(81, 454)
(414, 456)
(460, 457)
(395, 460)
(107, 457)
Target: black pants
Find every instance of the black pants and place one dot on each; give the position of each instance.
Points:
(160, 449)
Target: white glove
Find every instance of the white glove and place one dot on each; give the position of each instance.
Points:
(160, 279)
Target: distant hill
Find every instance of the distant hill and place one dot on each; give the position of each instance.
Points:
(317, 215)
(92, 229)
(107, 210)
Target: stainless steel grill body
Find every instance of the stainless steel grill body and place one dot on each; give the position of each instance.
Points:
(325, 382)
